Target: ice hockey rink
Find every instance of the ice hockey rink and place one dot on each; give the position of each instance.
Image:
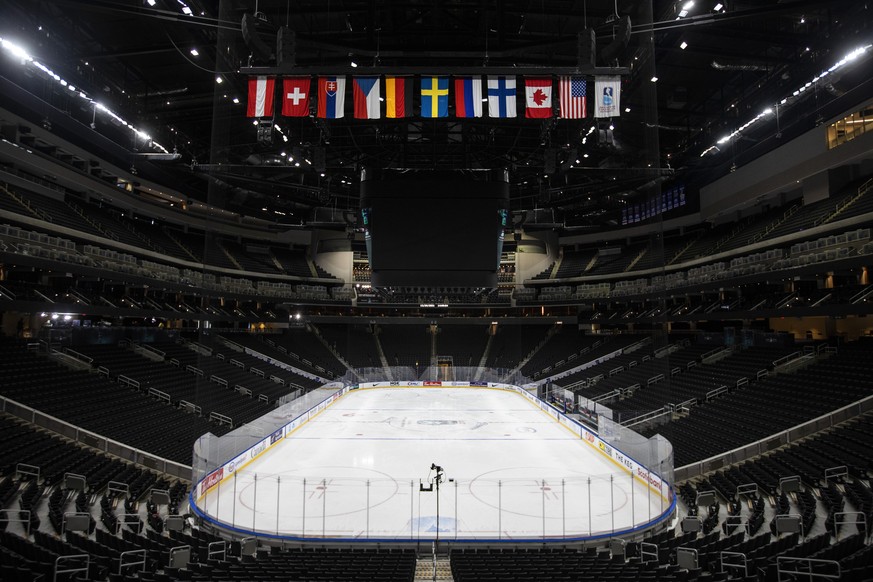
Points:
(357, 469)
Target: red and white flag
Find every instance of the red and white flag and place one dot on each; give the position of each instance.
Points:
(365, 91)
(572, 90)
(538, 97)
(261, 90)
(295, 96)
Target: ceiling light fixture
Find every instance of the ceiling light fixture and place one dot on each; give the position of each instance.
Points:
(853, 55)
(195, 52)
(26, 59)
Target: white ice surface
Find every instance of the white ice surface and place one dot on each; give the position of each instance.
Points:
(354, 471)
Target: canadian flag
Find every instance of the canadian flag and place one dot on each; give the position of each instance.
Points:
(295, 96)
(538, 97)
(261, 90)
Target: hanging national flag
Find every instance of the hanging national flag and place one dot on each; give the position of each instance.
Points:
(365, 91)
(398, 97)
(331, 97)
(572, 95)
(468, 96)
(434, 96)
(607, 94)
(538, 97)
(295, 96)
(501, 96)
(261, 91)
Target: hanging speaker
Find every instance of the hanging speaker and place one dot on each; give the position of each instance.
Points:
(622, 37)
(586, 48)
(286, 47)
(318, 162)
(260, 49)
(549, 160)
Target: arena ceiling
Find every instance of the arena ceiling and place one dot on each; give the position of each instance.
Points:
(177, 67)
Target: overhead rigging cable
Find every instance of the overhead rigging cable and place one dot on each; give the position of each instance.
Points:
(184, 56)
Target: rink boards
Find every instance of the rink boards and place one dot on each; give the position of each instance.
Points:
(526, 453)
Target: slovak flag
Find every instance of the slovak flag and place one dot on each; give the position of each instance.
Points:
(366, 94)
(538, 97)
(468, 96)
(331, 97)
(261, 91)
(501, 96)
(295, 96)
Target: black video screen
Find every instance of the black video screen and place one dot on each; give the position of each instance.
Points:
(434, 229)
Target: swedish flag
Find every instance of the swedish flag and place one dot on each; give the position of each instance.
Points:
(434, 96)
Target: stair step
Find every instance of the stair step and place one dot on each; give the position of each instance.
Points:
(424, 570)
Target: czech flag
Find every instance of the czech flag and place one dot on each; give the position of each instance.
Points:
(365, 91)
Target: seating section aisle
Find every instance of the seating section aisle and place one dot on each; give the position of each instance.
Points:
(62, 214)
(772, 404)
(293, 262)
(251, 261)
(464, 343)
(833, 466)
(56, 456)
(354, 342)
(573, 263)
(691, 384)
(595, 380)
(570, 347)
(98, 405)
(233, 375)
(248, 365)
(297, 347)
(659, 254)
(512, 343)
(406, 345)
(808, 214)
(617, 263)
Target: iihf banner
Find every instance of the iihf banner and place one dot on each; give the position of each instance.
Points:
(607, 96)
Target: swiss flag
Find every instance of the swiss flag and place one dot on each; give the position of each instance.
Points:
(538, 97)
(295, 96)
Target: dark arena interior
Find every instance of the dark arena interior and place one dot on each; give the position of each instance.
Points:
(471, 290)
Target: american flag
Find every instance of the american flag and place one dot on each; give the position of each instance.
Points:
(572, 89)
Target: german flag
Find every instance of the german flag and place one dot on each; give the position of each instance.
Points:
(398, 96)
